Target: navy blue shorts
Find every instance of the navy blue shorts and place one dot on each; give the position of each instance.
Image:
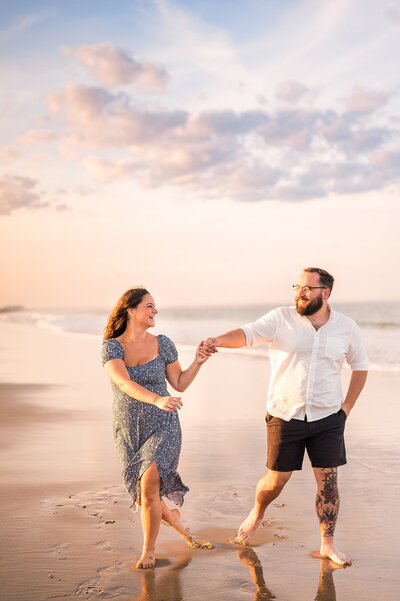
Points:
(323, 439)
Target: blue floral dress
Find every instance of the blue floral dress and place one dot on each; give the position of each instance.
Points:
(144, 433)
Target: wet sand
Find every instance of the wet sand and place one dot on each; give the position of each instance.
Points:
(66, 528)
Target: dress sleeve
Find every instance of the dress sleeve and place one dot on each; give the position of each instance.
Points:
(167, 349)
(111, 350)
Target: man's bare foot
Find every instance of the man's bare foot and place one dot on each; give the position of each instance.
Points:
(248, 528)
(176, 524)
(329, 550)
(147, 559)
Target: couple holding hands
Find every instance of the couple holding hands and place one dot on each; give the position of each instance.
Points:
(306, 409)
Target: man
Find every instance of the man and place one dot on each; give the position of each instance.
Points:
(305, 408)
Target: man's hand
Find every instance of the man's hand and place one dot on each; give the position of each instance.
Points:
(346, 409)
(210, 345)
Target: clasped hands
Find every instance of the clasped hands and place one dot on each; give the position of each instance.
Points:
(205, 349)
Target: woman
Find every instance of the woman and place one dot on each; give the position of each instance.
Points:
(145, 417)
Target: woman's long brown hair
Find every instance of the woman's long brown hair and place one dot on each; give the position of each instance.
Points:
(118, 318)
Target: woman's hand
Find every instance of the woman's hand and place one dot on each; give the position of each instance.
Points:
(203, 353)
(168, 403)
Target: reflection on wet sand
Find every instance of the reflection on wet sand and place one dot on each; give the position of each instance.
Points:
(166, 587)
(250, 559)
(326, 587)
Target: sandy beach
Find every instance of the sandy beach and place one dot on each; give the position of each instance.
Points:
(66, 528)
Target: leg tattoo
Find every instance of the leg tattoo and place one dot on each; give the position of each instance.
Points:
(327, 501)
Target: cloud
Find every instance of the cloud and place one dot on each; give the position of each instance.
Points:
(104, 120)
(364, 140)
(18, 192)
(28, 21)
(363, 101)
(37, 136)
(254, 154)
(291, 91)
(61, 207)
(336, 128)
(226, 122)
(8, 154)
(114, 67)
(292, 129)
(352, 177)
(354, 138)
(24, 23)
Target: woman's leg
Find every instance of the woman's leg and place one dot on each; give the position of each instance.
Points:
(151, 512)
(172, 517)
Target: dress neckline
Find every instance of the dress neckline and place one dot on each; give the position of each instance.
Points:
(141, 364)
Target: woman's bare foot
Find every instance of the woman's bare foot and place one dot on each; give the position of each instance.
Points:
(147, 559)
(175, 523)
(329, 550)
(247, 528)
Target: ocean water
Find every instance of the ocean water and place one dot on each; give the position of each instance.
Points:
(379, 322)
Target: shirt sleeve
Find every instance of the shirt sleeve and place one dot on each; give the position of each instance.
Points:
(263, 330)
(168, 349)
(357, 356)
(111, 349)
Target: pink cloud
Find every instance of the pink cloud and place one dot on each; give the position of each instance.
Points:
(104, 120)
(113, 67)
(8, 154)
(291, 91)
(18, 192)
(37, 136)
(248, 155)
(362, 100)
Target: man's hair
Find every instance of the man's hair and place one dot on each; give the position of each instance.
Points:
(325, 278)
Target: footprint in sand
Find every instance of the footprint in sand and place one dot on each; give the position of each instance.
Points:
(61, 551)
(105, 545)
(98, 587)
(88, 588)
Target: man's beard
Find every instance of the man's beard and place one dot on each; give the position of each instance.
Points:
(311, 308)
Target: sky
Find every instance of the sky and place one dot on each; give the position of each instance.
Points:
(206, 150)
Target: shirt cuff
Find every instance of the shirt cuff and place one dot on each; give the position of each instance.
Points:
(248, 335)
(359, 367)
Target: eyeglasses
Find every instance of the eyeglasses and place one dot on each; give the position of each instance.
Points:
(307, 289)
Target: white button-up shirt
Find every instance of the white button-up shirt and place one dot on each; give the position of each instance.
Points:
(306, 363)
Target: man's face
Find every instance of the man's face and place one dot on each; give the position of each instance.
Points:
(309, 302)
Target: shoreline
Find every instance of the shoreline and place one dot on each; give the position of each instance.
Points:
(378, 334)
(65, 513)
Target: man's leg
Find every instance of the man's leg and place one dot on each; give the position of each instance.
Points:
(327, 505)
(268, 489)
